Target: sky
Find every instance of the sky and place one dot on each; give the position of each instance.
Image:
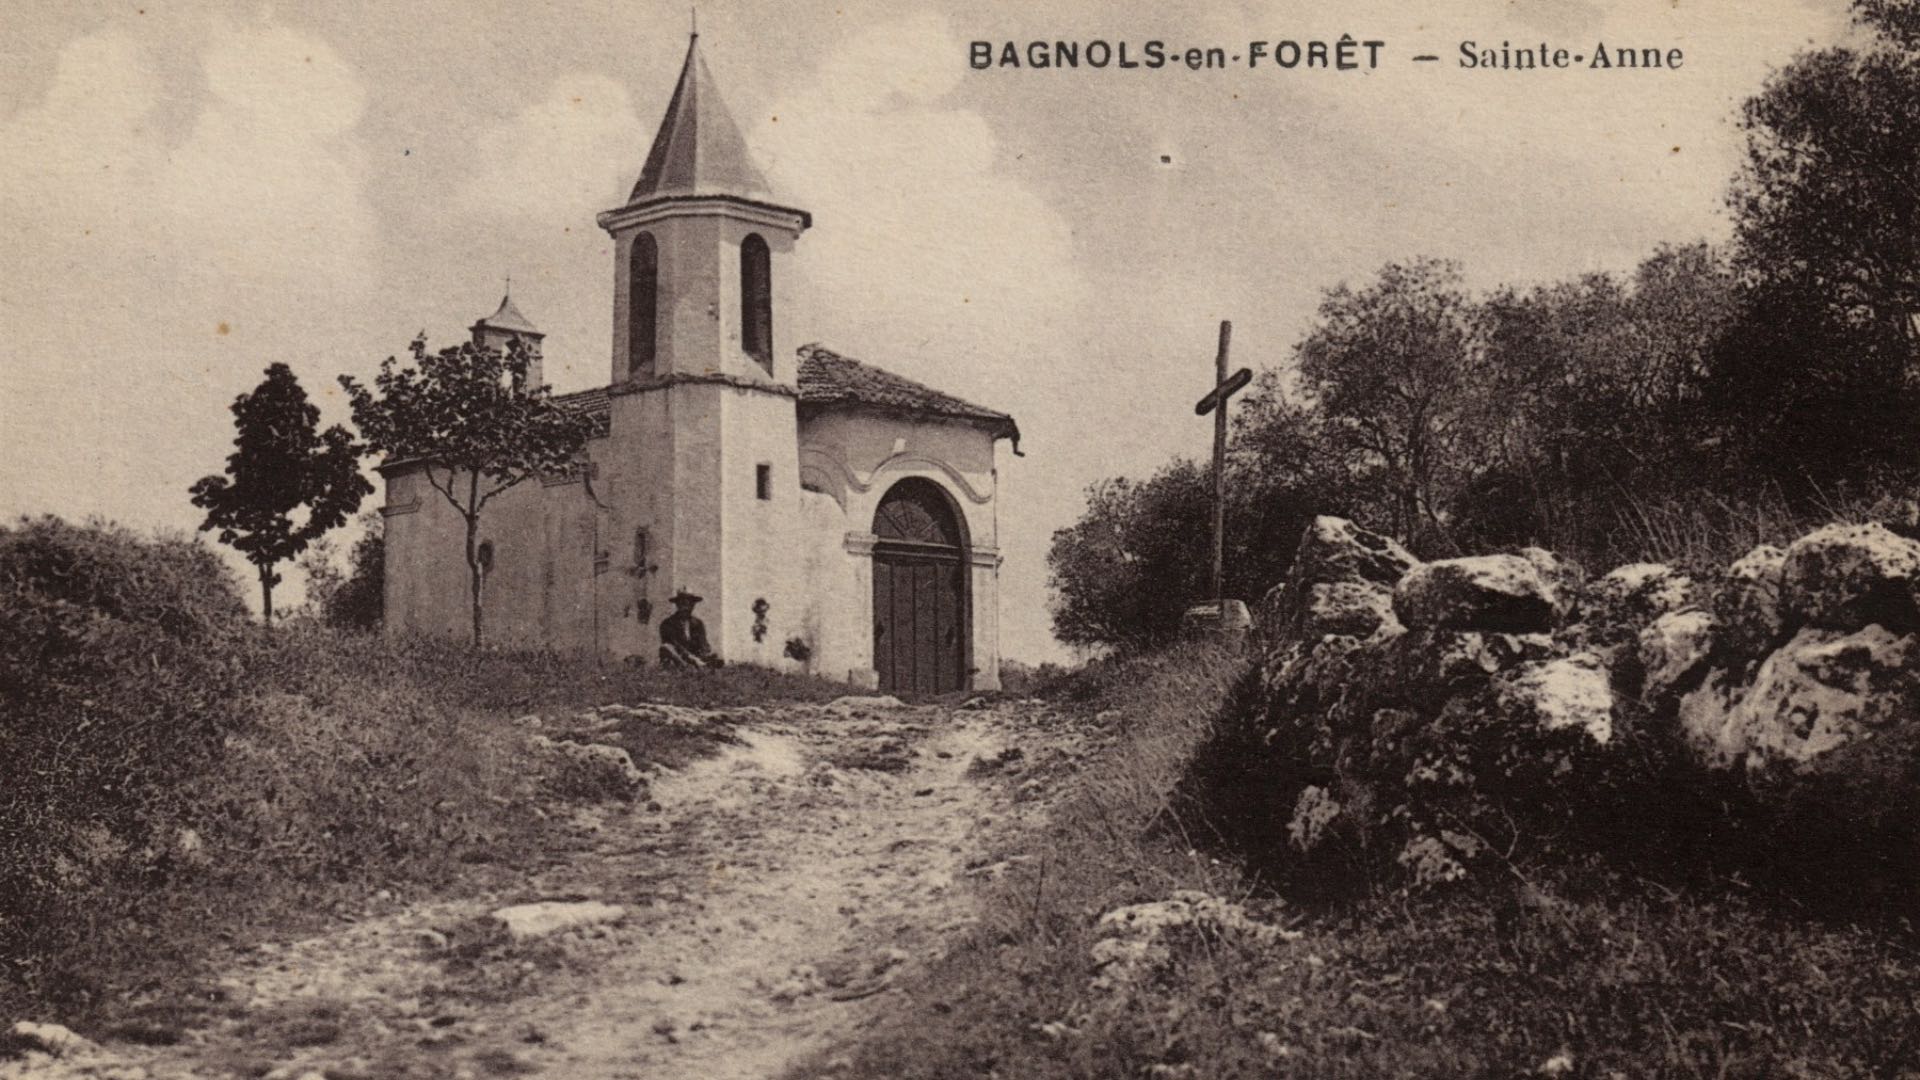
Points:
(189, 192)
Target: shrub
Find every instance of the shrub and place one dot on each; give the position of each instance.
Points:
(119, 662)
(359, 603)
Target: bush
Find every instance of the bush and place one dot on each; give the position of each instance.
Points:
(360, 601)
(120, 659)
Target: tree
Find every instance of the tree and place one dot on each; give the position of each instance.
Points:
(1390, 367)
(287, 483)
(467, 416)
(353, 599)
(1592, 398)
(1124, 573)
(1827, 220)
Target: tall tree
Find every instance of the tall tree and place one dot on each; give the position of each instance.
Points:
(1827, 216)
(1592, 398)
(287, 483)
(1391, 368)
(469, 418)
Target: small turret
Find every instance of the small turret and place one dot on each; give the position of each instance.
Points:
(506, 325)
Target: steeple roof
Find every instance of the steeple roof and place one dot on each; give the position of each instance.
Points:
(698, 150)
(508, 317)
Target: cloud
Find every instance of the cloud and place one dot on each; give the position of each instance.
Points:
(926, 252)
(562, 159)
(155, 262)
(930, 258)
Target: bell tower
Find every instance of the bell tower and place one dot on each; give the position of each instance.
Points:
(703, 380)
(699, 250)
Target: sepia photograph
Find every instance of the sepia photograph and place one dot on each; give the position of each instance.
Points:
(762, 540)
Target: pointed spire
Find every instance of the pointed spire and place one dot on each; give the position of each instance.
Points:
(508, 317)
(698, 150)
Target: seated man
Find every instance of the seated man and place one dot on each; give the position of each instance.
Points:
(683, 637)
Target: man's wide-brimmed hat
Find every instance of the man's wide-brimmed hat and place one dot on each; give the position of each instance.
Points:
(685, 597)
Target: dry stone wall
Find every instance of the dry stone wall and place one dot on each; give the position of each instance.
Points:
(1434, 714)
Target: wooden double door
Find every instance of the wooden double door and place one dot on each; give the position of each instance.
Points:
(920, 594)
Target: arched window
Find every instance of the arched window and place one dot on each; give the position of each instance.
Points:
(643, 303)
(756, 300)
(916, 512)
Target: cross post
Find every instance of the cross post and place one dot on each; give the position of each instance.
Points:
(1224, 387)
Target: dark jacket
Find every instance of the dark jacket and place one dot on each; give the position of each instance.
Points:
(684, 630)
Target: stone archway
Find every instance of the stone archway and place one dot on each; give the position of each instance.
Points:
(922, 601)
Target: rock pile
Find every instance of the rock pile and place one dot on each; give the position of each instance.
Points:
(1812, 649)
(1513, 673)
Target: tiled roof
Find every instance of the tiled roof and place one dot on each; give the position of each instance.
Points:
(596, 403)
(827, 378)
(698, 150)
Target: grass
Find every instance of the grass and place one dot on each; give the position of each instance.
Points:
(179, 783)
(1581, 969)
(354, 765)
(1703, 532)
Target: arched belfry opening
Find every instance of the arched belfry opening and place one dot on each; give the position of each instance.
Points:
(922, 603)
(756, 300)
(643, 304)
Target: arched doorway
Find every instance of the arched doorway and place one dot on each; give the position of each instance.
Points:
(920, 597)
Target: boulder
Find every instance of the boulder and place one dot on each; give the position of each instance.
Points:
(1564, 579)
(1674, 650)
(1746, 607)
(1565, 692)
(854, 704)
(1422, 667)
(1335, 549)
(1137, 940)
(592, 770)
(1703, 715)
(1302, 675)
(524, 922)
(1353, 608)
(1847, 577)
(1626, 599)
(1496, 593)
(51, 1039)
(1341, 582)
(1819, 692)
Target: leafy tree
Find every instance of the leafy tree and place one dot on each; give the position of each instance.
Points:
(1593, 397)
(468, 417)
(1124, 573)
(1390, 367)
(353, 599)
(287, 483)
(1821, 372)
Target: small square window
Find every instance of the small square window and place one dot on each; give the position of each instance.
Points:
(763, 481)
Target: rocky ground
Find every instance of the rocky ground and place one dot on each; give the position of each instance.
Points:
(745, 909)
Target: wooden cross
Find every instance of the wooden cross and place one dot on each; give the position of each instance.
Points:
(1224, 387)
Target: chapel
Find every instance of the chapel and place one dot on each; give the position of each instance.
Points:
(834, 518)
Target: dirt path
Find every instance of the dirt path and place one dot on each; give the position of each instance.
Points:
(772, 898)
